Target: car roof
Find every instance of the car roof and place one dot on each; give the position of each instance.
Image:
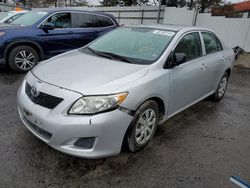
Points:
(54, 10)
(172, 27)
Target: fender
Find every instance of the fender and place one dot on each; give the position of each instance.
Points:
(25, 42)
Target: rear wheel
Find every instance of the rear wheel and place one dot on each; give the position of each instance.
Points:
(221, 90)
(22, 58)
(143, 127)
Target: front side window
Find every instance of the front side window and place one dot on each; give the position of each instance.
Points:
(60, 20)
(30, 18)
(136, 44)
(104, 21)
(81, 20)
(211, 42)
(190, 44)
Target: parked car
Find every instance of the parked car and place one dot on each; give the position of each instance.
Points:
(117, 89)
(41, 34)
(8, 17)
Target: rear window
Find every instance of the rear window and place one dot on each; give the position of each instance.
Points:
(81, 20)
(104, 21)
(212, 44)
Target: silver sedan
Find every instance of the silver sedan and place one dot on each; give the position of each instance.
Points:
(114, 91)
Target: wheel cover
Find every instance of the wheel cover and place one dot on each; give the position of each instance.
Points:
(145, 126)
(222, 87)
(25, 60)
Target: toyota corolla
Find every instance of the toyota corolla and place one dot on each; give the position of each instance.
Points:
(114, 91)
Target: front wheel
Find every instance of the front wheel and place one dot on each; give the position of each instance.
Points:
(221, 90)
(143, 126)
(22, 58)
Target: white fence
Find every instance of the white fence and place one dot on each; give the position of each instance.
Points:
(233, 31)
(4, 7)
(132, 15)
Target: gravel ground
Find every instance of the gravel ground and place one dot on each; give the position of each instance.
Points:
(200, 147)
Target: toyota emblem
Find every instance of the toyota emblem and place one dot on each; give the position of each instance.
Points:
(34, 92)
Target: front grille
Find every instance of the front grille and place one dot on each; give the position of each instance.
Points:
(43, 99)
(37, 129)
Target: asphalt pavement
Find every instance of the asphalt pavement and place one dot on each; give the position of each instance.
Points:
(200, 147)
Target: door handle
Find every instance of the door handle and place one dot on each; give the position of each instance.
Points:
(203, 66)
(223, 59)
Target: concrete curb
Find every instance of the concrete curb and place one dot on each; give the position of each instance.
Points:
(243, 60)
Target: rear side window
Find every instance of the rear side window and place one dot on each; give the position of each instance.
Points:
(212, 44)
(82, 20)
(60, 20)
(104, 21)
(190, 44)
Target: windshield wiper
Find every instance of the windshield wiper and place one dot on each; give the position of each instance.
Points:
(98, 53)
(116, 56)
(109, 55)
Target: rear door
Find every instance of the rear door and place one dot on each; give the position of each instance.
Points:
(214, 60)
(58, 40)
(85, 31)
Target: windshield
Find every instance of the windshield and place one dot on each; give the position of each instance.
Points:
(30, 18)
(136, 44)
(4, 14)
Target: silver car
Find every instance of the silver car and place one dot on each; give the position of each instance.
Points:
(114, 91)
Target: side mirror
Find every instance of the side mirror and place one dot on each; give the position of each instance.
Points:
(47, 26)
(174, 60)
(179, 58)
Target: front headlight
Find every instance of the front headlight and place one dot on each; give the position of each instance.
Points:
(96, 104)
(2, 33)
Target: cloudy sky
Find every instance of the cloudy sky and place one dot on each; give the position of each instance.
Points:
(96, 2)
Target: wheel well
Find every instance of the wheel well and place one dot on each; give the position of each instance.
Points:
(160, 104)
(33, 45)
(228, 71)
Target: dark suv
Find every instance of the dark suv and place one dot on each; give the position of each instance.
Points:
(41, 34)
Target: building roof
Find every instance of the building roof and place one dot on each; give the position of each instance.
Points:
(241, 7)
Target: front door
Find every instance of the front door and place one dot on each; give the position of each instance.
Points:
(186, 79)
(58, 40)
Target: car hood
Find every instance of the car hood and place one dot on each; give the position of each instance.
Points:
(88, 74)
(4, 26)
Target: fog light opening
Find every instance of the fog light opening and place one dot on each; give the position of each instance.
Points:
(85, 143)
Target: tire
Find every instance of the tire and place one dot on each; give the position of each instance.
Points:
(22, 58)
(221, 89)
(148, 109)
